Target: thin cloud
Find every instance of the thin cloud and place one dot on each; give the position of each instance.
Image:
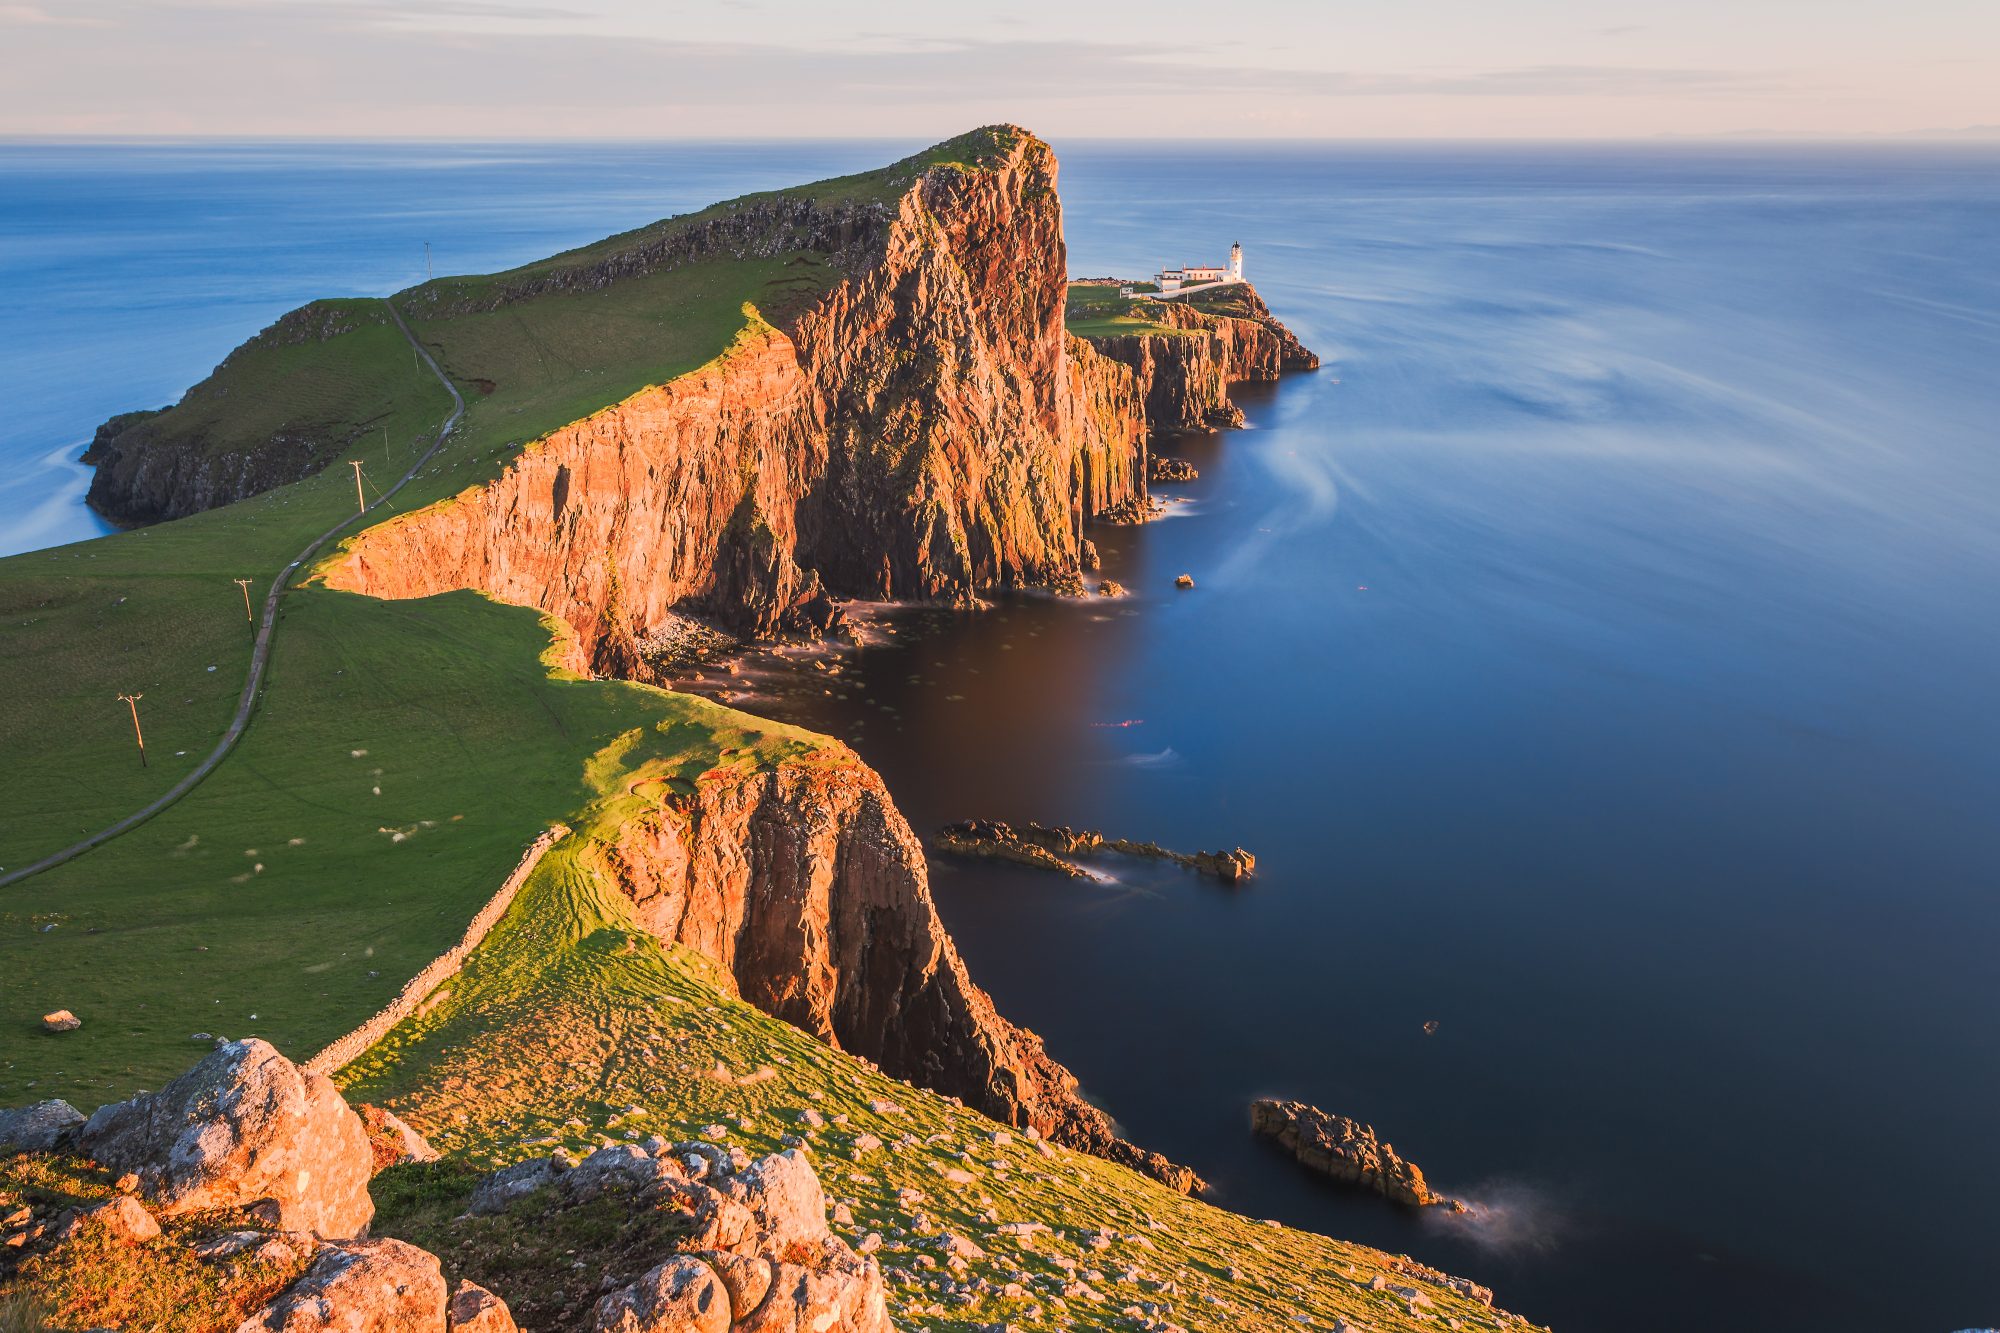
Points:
(30, 16)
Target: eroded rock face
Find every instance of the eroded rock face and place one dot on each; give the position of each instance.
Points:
(149, 468)
(366, 1286)
(244, 1127)
(1183, 379)
(925, 429)
(1343, 1149)
(807, 886)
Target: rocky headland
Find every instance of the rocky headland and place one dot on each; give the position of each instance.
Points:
(215, 447)
(1182, 373)
(916, 422)
(808, 888)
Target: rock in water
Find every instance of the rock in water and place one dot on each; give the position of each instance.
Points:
(1184, 581)
(1344, 1149)
(62, 1020)
(244, 1127)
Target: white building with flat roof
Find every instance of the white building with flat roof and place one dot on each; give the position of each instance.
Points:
(1200, 275)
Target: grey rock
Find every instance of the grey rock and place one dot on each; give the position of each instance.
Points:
(39, 1128)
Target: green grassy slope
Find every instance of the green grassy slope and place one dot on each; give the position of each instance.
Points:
(571, 1027)
(153, 610)
(1093, 310)
(407, 752)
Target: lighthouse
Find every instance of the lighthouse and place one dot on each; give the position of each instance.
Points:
(1236, 262)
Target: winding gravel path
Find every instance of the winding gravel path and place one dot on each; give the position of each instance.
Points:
(260, 653)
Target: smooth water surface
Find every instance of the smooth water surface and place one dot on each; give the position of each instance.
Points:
(1598, 654)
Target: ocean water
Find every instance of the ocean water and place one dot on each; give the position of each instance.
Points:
(1599, 654)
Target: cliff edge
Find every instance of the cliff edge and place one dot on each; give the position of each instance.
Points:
(921, 427)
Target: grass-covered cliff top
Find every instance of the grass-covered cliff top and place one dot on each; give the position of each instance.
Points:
(1096, 310)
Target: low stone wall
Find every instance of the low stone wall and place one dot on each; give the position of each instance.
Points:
(346, 1048)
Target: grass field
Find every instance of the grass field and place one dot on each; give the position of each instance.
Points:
(408, 751)
(1094, 310)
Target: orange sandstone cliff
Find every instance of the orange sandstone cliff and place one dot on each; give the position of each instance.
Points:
(922, 426)
(809, 889)
(1183, 379)
(925, 428)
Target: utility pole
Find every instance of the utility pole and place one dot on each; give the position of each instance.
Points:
(248, 614)
(427, 261)
(358, 497)
(132, 701)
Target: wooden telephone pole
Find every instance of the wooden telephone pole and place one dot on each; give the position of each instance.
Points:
(248, 614)
(360, 499)
(132, 701)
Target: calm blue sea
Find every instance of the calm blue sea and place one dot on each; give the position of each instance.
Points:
(1600, 655)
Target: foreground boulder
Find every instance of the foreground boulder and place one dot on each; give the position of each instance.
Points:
(245, 1128)
(359, 1287)
(750, 1250)
(1345, 1150)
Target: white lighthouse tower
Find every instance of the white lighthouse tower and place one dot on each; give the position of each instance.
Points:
(1236, 262)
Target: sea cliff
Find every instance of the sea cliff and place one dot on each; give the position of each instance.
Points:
(808, 888)
(901, 413)
(1182, 375)
(924, 429)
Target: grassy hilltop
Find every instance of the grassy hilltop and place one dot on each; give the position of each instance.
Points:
(402, 756)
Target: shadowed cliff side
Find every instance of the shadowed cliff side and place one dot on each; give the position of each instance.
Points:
(807, 887)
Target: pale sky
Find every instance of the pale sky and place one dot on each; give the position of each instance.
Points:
(658, 69)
